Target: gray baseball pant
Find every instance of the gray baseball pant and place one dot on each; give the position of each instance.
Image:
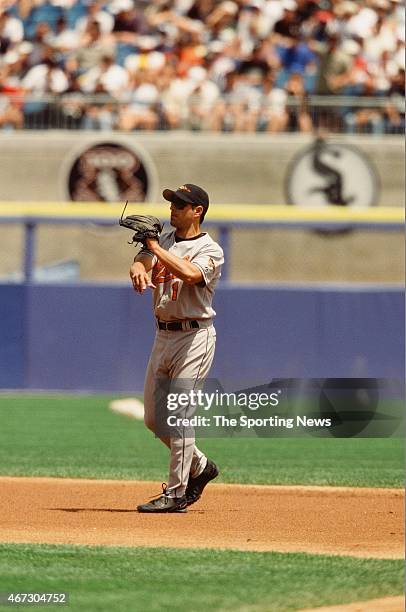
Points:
(183, 358)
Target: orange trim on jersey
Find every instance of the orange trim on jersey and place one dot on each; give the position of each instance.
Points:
(161, 274)
(175, 287)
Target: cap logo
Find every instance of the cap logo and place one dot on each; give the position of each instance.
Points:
(184, 188)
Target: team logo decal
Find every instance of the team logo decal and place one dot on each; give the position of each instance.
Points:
(331, 175)
(160, 274)
(109, 172)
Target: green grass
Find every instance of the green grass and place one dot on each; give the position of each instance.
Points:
(197, 580)
(78, 436)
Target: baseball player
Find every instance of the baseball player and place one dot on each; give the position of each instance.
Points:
(185, 266)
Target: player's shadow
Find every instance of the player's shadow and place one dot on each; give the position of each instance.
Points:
(107, 510)
(93, 509)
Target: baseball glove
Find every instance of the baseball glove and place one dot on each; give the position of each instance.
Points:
(144, 226)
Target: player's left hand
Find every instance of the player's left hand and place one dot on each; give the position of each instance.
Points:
(146, 227)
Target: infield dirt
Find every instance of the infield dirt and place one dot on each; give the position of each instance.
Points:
(386, 604)
(327, 520)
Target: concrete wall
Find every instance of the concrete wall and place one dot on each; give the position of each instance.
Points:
(234, 168)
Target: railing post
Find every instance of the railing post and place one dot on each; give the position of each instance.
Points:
(29, 251)
(224, 240)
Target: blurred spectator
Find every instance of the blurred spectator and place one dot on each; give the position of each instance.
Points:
(73, 104)
(127, 21)
(305, 9)
(288, 27)
(98, 117)
(249, 25)
(64, 39)
(93, 47)
(190, 52)
(41, 44)
(142, 111)
(146, 57)
(345, 23)
(107, 77)
(223, 19)
(11, 30)
(297, 57)
(201, 9)
(394, 115)
(11, 112)
(382, 72)
(239, 107)
(97, 13)
(299, 116)
(223, 58)
(41, 82)
(174, 97)
(202, 99)
(334, 62)
(45, 78)
(273, 115)
(261, 59)
(106, 80)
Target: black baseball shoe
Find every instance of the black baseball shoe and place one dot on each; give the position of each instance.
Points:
(164, 503)
(196, 485)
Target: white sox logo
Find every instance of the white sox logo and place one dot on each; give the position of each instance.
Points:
(108, 172)
(326, 174)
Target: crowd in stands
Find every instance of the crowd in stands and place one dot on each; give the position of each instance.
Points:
(228, 65)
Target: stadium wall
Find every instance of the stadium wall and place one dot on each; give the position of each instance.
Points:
(235, 168)
(98, 337)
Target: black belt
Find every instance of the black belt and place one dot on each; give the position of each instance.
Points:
(177, 325)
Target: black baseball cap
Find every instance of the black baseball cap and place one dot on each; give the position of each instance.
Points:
(188, 194)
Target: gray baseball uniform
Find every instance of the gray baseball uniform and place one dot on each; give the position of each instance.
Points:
(184, 357)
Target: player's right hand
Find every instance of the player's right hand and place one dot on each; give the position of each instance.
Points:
(140, 278)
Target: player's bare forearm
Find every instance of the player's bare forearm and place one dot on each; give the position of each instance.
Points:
(181, 268)
(145, 260)
(139, 273)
